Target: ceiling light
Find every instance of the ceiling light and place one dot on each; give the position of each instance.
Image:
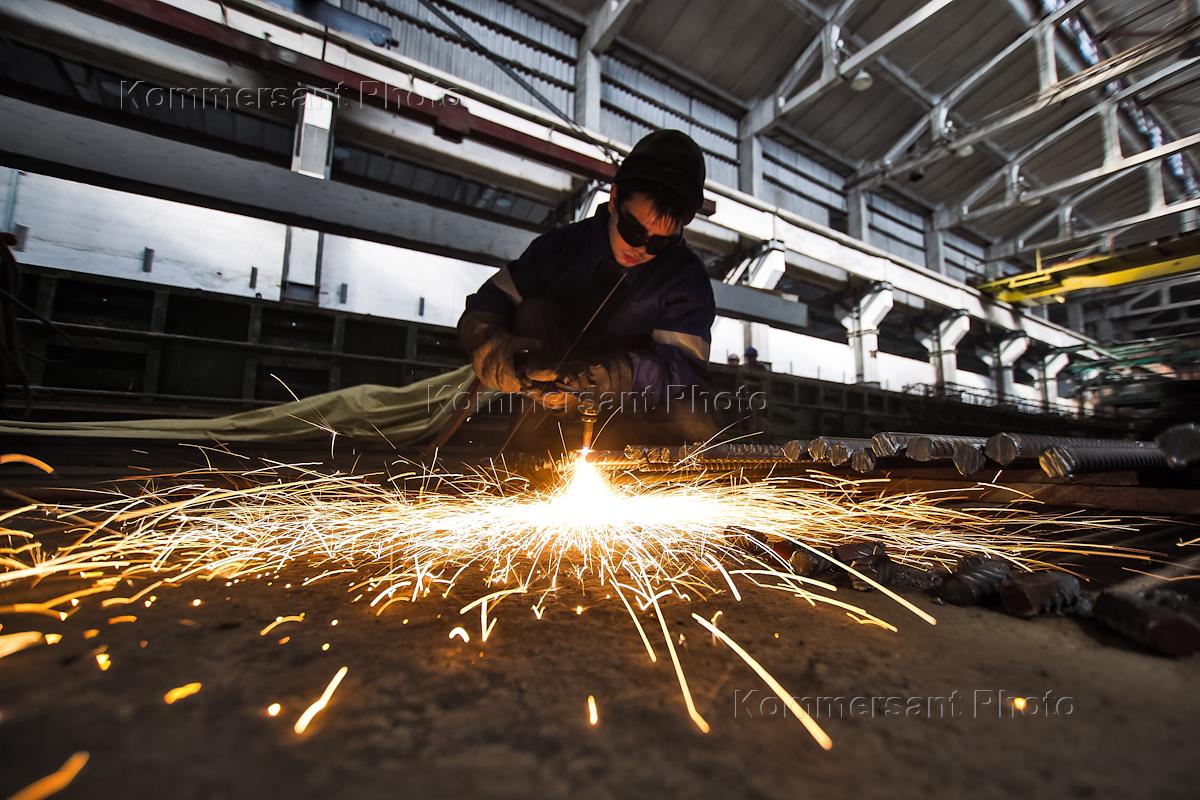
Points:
(861, 81)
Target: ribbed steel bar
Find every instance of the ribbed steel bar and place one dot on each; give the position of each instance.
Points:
(863, 461)
(1063, 462)
(819, 448)
(797, 450)
(1007, 448)
(969, 458)
(891, 443)
(731, 450)
(939, 448)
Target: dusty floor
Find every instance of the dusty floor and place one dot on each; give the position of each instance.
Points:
(923, 712)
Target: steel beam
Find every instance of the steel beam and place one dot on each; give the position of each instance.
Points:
(1118, 166)
(1043, 29)
(1011, 249)
(1011, 172)
(863, 57)
(45, 140)
(1073, 86)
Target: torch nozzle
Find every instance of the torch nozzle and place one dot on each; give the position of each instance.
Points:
(588, 412)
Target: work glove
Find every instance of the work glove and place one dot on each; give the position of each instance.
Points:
(601, 379)
(494, 350)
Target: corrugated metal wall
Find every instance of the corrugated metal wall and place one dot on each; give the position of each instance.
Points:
(897, 229)
(633, 103)
(964, 257)
(799, 184)
(542, 53)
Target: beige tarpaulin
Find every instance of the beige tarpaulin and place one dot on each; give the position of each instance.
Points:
(404, 414)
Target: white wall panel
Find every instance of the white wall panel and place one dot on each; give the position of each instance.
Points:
(390, 281)
(76, 226)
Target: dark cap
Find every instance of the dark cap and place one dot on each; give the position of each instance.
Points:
(670, 159)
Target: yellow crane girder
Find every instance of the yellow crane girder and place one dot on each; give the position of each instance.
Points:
(1095, 272)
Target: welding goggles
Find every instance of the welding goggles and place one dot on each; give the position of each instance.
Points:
(636, 235)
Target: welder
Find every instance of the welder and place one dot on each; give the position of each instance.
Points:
(612, 314)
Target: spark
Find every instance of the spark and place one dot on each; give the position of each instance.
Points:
(122, 619)
(55, 782)
(103, 661)
(274, 709)
(180, 692)
(17, 458)
(1020, 703)
(322, 701)
(16, 642)
(809, 723)
(196, 602)
(654, 546)
(593, 714)
(280, 621)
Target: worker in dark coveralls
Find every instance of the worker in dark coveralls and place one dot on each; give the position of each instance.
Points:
(647, 296)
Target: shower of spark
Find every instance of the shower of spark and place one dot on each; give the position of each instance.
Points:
(397, 539)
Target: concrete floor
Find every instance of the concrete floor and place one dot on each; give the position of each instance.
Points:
(919, 713)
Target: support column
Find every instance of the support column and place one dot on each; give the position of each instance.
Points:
(767, 268)
(587, 89)
(757, 335)
(750, 165)
(857, 215)
(862, 328)
(1047, 377)
(942, 344)
(1001, 359)
(935, 248)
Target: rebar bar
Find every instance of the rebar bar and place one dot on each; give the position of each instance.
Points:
(1064, 462)
(968, 458)
(819, 448)
(863, 461)
(939, 448)
(891, 443)
(796, 450)
(731, 450)
(1007, 448)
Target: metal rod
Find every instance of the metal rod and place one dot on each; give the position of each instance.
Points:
(1006, 448)
(938, 448)
(1065, 462)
